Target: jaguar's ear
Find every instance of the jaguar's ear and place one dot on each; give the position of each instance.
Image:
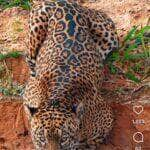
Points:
(80, 111)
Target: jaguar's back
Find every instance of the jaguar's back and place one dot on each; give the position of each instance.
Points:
(67, 45)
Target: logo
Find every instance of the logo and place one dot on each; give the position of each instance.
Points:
(138, 109)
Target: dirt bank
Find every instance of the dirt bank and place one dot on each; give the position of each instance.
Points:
(131, 123)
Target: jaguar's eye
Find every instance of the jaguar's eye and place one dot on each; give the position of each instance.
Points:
(32, 110)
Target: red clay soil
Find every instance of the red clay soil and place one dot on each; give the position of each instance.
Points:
(15, 135)
(19, 68)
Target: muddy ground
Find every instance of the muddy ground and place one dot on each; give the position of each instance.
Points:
(131, 107)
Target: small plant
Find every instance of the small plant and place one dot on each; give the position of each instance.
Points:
(7, 86)
(11, 90)
(133, 56)
(13, 54)
(25, 4)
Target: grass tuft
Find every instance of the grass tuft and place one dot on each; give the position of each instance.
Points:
(25, 4)
(133, 56)
(13, 54)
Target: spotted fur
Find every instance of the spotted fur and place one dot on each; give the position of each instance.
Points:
(68, 44)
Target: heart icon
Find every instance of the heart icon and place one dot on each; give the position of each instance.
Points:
(138, 109)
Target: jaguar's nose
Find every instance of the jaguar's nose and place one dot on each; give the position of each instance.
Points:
(32, 110)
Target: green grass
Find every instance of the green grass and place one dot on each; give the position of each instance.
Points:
(7, 86)
(13, 54)
(25, 4)
(133, 55)
(11, 90)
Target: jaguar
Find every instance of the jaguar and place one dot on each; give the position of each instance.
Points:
(67, 46)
